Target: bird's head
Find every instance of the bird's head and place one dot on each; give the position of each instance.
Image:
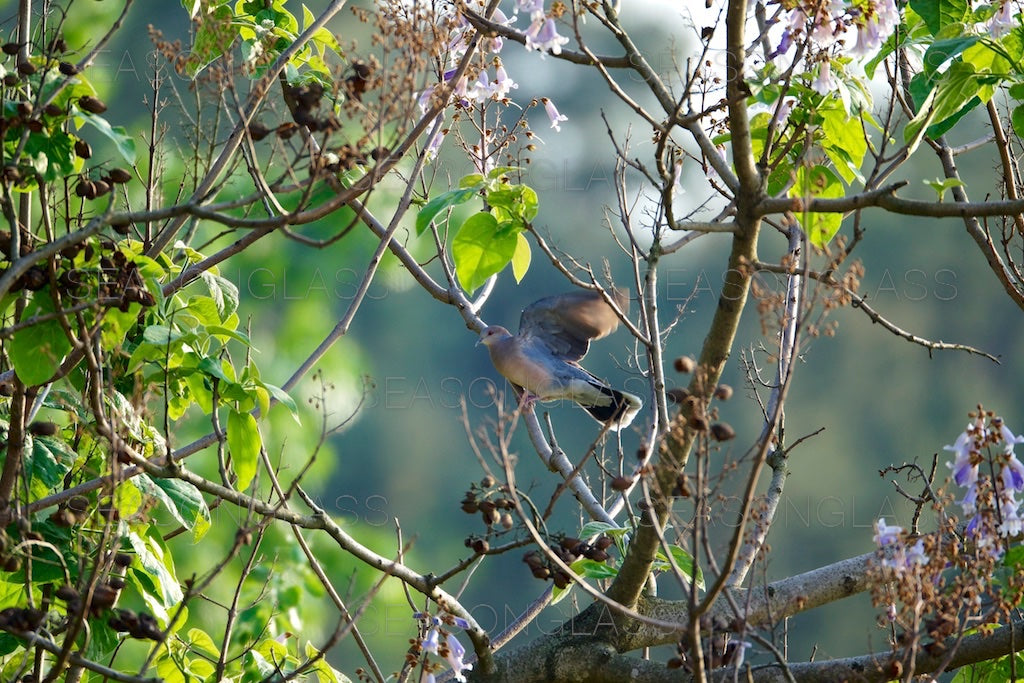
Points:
(492, 334)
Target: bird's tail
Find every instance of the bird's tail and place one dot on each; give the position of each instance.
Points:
(619, 410)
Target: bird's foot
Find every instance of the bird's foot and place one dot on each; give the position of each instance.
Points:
(526, 401)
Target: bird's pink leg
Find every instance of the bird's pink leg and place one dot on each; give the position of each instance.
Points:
(526, 401)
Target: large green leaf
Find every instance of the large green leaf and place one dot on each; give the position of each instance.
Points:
(813, 183)
(244, 442)
(37, 351)
(182, 500)
(482, 248)
(117, 134)
(441, 202)
(521, 258)
(938, 14)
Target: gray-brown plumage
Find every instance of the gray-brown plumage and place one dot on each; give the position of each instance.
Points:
(542, 358)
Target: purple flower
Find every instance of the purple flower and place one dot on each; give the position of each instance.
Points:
(553, 114)
(502, 84)
(434, 144)
(1002, 22)
(1013, 473)
(877, 21)
(1012, 524)
(543, 35)
(885, 534)
(535, 8)
(965, 468)
(455, 656)
(432, 641)
(1008, 438)
(823, 83)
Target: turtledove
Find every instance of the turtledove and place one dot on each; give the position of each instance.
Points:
(542, 358)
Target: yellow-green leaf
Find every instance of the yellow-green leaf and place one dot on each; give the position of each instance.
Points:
(521, 257)
(244, 442)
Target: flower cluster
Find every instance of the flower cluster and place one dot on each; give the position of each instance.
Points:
(827, 27)
(987, 434)
(489, 81)
(450, 648)
(897, 555)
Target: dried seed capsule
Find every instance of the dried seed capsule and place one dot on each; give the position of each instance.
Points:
(40, 428)
(82, 149)
(119, 175)
(67, 68)
(684, 364)
(720, 431)
(91, 104)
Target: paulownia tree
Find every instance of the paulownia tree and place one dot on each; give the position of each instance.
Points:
(120, 334)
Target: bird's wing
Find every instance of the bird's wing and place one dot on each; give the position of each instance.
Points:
(566, 323)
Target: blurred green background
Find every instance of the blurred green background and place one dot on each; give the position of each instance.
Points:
(404, 458)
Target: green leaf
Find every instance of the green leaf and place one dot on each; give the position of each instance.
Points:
(199, 639)
(940, 186)
(684, 561)
(284, 398)
(480, 249)
(594, 528)
(156, 561)
(117, 134)
(938, 14)
(812, 183)
(223, 292)
(442, 202)
(182, 500)
(941, 51)
(36, 352)
(845, 142)
(594, 570)
(214, 368)
(54, 152)
(521, 257)
(47, 461)
(244, 442)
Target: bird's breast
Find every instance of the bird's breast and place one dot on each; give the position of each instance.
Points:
(524, 369)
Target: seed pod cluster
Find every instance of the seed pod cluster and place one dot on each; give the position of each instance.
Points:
(139, 625)
(568, 550)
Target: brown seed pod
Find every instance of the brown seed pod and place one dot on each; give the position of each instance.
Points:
(11, 48)
(119, 175)
(78, 504)
(66, 592)
(67, 68)
(91, 104)
(53, 110)
(82, 149)
(698, 423)
(26, 68)
(101, 187)
(286, 130)
(621, 483)
(677, 395)
(123, 560)
(723, 392)
(684, 364)
(721, 431)
(41, 428)
(258, 131)
(11, 80)
(84, 189)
